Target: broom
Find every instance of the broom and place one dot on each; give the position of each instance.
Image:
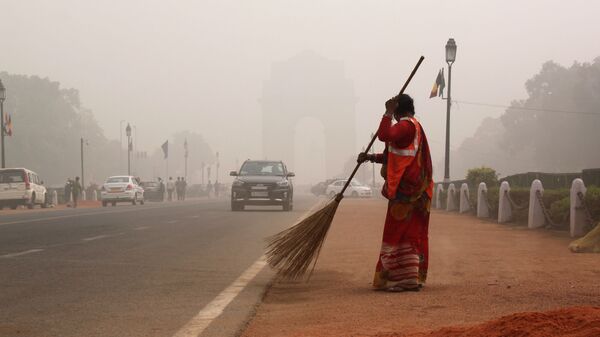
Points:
(293, 250)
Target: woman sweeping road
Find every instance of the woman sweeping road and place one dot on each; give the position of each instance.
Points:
(407, 171)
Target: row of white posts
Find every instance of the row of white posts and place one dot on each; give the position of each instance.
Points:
(83, 197)
(536, 216)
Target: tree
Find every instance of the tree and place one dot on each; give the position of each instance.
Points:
(553, 130)
(48, 124)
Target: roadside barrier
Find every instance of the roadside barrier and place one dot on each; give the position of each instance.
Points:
(451, 198)
(504, 206)
(483, 205)
(465, 202)
(538, 214)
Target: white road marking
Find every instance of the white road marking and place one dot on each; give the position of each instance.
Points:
(31, 251)
(141, 228)
(215, 308)
(97, 237)
(133, 209)
(172, 221)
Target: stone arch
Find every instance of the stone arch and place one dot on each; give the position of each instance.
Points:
(309, 85)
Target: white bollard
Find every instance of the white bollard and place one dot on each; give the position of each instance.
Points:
(464, 205)
(451, 198)
(95, 196)
(578, 218)
(438, 196)
(536, 217)
(83, 196)
(54, 198)
(504, 208)
(483, 210)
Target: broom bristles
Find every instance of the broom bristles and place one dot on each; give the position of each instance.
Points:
(293, 250)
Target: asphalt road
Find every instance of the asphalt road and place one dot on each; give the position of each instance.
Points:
(131, 270)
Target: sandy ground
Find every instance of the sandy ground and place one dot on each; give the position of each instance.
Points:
(479, 271)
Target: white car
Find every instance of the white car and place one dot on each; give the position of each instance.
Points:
(121, 189)
(355, 189)
(20, 186)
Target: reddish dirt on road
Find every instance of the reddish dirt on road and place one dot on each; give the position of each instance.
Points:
(479, 271)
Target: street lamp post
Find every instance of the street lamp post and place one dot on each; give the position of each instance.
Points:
(2, 98)
(128, 133)
(218, 164)
(83, 142)
(121, 145)
(450, 58)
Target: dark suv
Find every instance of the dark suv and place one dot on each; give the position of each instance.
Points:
(262, 182)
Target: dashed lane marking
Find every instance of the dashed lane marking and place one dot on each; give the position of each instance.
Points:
(97, 237)
(31, 251)
(216, 307)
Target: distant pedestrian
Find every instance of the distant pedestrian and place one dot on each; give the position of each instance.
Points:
(183, 188)
(209, 189)
(177, 187)
(217, 186)
(68, 191)
(170, 188)
(76, 190)
(161, 189)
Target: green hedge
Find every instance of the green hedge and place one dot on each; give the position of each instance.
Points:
(592, 200)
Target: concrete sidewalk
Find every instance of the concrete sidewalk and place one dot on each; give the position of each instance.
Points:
(479, 270)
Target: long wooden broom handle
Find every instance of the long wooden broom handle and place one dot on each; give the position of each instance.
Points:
(341, 194)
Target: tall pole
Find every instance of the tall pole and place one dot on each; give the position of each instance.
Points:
(2, 128)
(129, 155)
(203, 165)
(448, 105)
(218, 164)
(121, 146)
(82, 175)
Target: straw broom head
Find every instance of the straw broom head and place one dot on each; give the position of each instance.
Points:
(293, 250)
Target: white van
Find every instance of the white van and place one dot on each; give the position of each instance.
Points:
(20, 186)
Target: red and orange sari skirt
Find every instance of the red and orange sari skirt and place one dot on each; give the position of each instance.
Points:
(403, 259)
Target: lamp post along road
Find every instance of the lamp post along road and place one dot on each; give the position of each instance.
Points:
(2, 98)
(450, 58)
(82, 175)
(128, 133)
(121, 145)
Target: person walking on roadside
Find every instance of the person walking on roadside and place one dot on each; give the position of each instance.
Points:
(76, 190)
(67, 192)
(209, 189)
(217, 185)
(178, 188)
(407, 170)
(183, 188)
(170, 188)
(161, 189)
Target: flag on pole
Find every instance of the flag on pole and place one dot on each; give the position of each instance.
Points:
(165, 148)
(185, 148)
(8, 127)
(439, 85)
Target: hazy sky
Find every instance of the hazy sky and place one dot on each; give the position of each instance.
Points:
(200, 65)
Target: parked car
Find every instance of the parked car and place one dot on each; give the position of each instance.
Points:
(20, 186)
(321, 188)
(152, 191)
(121, 189)
(262, 182)
(355, 189)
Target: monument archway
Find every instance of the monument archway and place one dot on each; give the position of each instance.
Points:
(309, 85)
